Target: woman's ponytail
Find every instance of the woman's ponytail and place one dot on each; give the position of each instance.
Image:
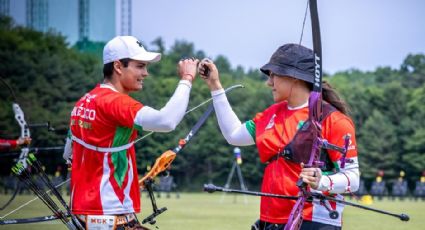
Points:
(331, 96)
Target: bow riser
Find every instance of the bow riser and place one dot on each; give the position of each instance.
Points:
(296, 218)
(317, 72)
(20, 118)
(25, 132)
(315, 114)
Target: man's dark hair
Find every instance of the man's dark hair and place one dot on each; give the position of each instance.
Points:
(108, 68)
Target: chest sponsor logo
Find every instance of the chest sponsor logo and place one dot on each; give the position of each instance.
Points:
(88, 97)
(271, 122)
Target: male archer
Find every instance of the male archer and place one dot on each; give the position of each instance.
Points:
(105, 193)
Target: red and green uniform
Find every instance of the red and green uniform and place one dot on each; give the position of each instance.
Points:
(104, 183)
(272, 130)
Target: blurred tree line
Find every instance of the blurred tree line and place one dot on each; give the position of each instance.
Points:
(48, 77)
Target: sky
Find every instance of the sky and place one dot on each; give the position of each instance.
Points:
(360, 34)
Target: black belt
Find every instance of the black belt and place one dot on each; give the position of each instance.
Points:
(262, 225)
(130, 224)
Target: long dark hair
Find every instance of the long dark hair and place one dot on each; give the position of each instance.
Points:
(330, 95)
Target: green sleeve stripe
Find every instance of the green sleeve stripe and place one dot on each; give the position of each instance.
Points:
(327, 173)
(250, 126)
(138, 127)
(336, 165)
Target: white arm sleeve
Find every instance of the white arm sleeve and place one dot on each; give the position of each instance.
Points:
(347, 180)
(166, 119)
(233, 131)
(67, 151)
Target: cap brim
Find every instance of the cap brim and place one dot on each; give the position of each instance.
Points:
(287, 71)
(147, 57)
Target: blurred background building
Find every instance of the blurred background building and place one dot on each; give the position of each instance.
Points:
(77, 20)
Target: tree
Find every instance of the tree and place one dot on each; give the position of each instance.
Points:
(413, 70)
(48, 77)
(377, 145)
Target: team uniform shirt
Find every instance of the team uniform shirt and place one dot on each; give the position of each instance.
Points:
(104, 183)
(7, 144)
(272, 130)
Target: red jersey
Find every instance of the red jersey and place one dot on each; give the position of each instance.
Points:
(104, 183)
(272, 130)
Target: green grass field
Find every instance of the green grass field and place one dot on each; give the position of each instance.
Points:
(207, 212)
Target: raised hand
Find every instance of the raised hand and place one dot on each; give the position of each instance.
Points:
(209, 73)
(187, 68)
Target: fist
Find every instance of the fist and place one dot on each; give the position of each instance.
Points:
(311, 176)
(187, 69)
(23, 141)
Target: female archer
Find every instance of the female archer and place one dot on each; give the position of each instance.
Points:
(290, 74)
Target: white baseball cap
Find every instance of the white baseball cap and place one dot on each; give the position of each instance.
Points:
(127, 47)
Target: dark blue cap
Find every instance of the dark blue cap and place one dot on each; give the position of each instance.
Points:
(291, 60)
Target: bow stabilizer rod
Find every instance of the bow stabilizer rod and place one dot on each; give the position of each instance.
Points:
(210, 188)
